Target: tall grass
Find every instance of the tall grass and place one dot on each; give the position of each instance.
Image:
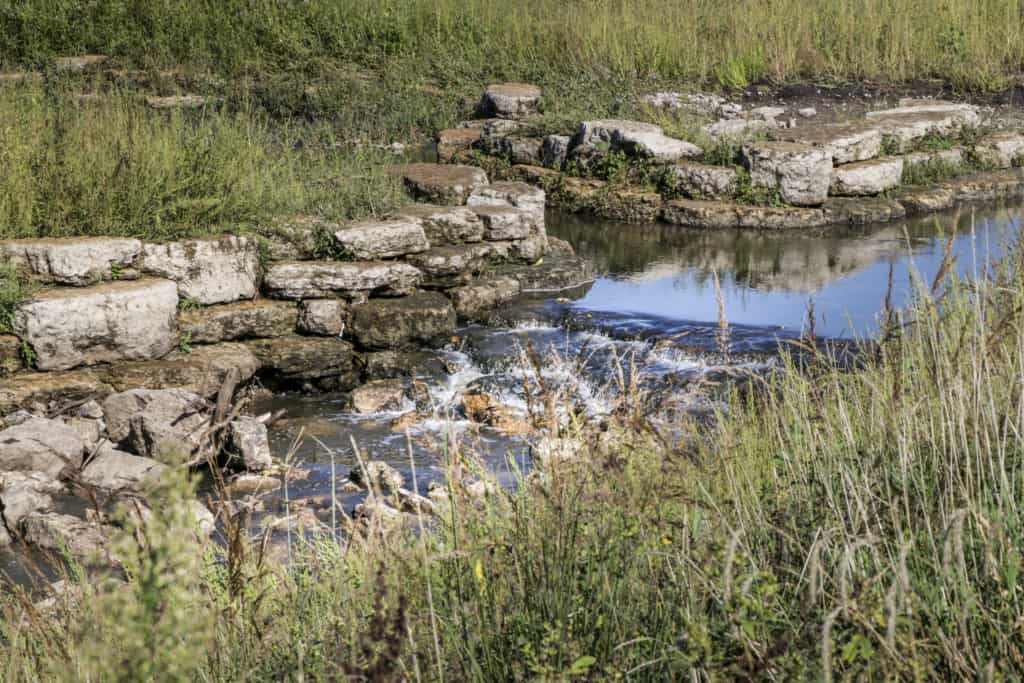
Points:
(832, 523)
(975, 43)
(110, 166)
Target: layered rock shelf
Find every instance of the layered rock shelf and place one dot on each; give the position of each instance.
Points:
(786, 173)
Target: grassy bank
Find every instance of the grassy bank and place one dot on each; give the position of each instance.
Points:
(829, 525)
(974, 43)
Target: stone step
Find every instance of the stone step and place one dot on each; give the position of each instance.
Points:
(374, 240)
(634, 138)
(445, 225)
(845, 143)
(78, 262)
(244, 320)
(801, 173)
(867, 178)
(208, 271)
(506, 222)
(447, 184)
(719, 215)
(106, 323)
(510, 100)
(421, 318)
(453, 143)
(451, 265)
(511, 193)
(329, 279)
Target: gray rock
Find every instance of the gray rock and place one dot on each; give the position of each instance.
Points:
(250, 444)
(90, 410)
(768, 114)
(382, 476)
(962, 114)
(113, 470)
(511, 193)
(107, 323)
(703, 181)
(445, 224)
(242, 320)
(170, 405)
(845, 143)
(59, 533)
(445, 266)
(171, 428)
(735, 129)
(296, 358)
(215, 271)
(40, 445)
(201, 371)
(555, 150)
(716, 215)
(906, 124)
(77, 262)
(517, 150)
(326, 279)
(807, 112)
(529, 250)
(1001, 150)
(643, 140)
(867, 178)
(447, 184)
(91, 431)
(324, 317)
(385, 395)
(372, 240)
(424, 317)
(23, 493)
(510, 100)
(801, 173)
(506, 222)
(475, 301)
(394, 364)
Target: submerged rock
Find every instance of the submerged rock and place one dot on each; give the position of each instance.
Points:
(382, 476)
(212, 271)
(294, 358)
(424, 317)
(379, 396)
(476, 300)
(78, 262)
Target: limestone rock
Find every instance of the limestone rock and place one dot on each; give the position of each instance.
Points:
(517, 150)
(295, 358)
(78, 262)
(426, 317)
(379, 396)
(844, 143)
(111, 322)
(511, 193)
(249, 444)
(506, 222)
(447, 184)
(46, 388)
(393, 364)
(510, 100)
(212, 271)
(201, 371)
(867, 178)
(735, 129)
(642, 140)
(801, 173)
(40, 445)
(703, 181)
(445, 225)
(474, 301)
(90, 431)
(170, 405)
(114, 470)
(324, 317)
(447, 266)
(1002, 150)
(242, 320)
(1005, 184)
(906, 124)
(382, 476)
(917, 201)
(373, 240)
(171, 426)
(326, 279)
(862, 210)
(454, 142)
(59, 533)
(555, 150)
(22, 493)
(962, 114)
(10, 355)
(717, 215)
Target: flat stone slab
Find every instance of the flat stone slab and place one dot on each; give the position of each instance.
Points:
(862, 210)
(372, 240)
(987, 186)
(113, 470)
(451, 265)
(1004, 149)
(201, 371)
(40, 445)
(476, 300)
(867, 178)
(445, 225)
(106, 323)
(736, 129)
(712, 215)
(801, 173)
(964, 114)
(216, 271)
(242, 320)
(421, 318)
(644, 140)
(48, 389)
(448, 184)
(506, 222)
(327, 279)
(77, 262)
(510, 100)
(905, 125)
(511, 193)
(453, 142)
(845, 143)
(516, 149)
(304, 358)
(701, 181)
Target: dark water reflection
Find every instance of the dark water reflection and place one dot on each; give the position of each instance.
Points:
(768, 278)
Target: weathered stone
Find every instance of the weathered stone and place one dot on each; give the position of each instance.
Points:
(905, 125)
(248, 484)
(555, 150)
(453, 143)
(807, 112)
(768, 113)
(22, 493)
(917, 201)
(113, 470)
(1005, 184)
(511, 193)
(10, 355)
(249, 444)
(169, 440)
(445, 224)
(485, 409)
(372, 240)
(379, 396)
(426, 317)
(717, 215)
(447, 266)
(517, 150)
(107, 323)
(643, 140)
(380, 475)
(703, 181)
(295, 238)
(528, 250)
(510, 100)
(867, 178)
(1001, 150)
(170, 405)
(45, 388)
(40, 445)
(60, 533)
(862, 210)
(447, 184)
(202, 370)
(844, 143)
(735, 129)
(242, 320)
(295, 358)
(393, 364)
(949, 158)
(77, 262)
(629, 206)
(535, 175)
(326, 279)
(505, 222)
(476, 300)
(801, 173)
(324, 317)
(215, 271)
(962, 114)
(90, 431)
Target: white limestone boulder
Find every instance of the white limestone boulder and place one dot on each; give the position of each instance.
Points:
(77, 262)
(801, 173)
(866, 178)
(372, 240)
(327, 279)
(207, 271)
